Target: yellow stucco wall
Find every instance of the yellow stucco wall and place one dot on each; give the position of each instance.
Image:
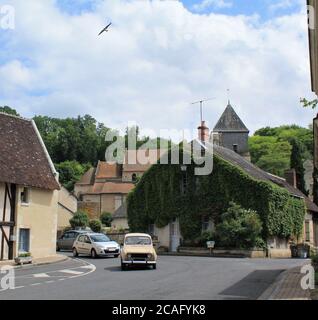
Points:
(40, 216)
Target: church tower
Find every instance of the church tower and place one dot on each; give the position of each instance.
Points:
(230, 132)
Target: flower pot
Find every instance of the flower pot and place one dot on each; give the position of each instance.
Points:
(23, 260)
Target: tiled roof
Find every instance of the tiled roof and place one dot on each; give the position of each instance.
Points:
(230, 122)
(106, 170)
(88, 177)
(23, 158)
(110, 187)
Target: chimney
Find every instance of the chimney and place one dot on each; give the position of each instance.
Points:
(291, 178)
(203, 132)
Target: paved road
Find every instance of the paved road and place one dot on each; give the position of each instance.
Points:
(176, 278)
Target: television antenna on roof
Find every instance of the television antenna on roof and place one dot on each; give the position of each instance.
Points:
(201, 106)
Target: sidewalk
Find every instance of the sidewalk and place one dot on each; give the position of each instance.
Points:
(287, 287)
(36, 262)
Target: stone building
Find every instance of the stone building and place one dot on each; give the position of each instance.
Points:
(230, 132)
(105, 188)
(67, 206)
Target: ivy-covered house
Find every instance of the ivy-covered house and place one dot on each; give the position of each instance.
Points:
(176, 205)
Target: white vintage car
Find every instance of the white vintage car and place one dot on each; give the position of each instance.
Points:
(138, 250)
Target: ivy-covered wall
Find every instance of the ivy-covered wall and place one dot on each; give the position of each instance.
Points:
(158, 198)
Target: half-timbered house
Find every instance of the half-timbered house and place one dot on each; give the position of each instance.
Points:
(28, 191)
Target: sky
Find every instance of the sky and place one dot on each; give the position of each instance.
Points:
(157, 58)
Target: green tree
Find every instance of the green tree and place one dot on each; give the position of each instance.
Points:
(79, 220)
(70, 172)
(270, 148)
(8, 110)
(106, 219)
(239, 228)
(297, 163)
(270, 154)
(95, 225)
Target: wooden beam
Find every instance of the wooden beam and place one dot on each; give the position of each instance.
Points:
(13, 190)
(6, 224)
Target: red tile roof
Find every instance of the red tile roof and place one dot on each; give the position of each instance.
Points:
(110, 188)
(107, 170)
(23, 159)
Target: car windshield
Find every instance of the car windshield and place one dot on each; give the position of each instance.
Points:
(138, 240)
(99, 238)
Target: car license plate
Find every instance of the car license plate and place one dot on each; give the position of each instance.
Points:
(111, 249)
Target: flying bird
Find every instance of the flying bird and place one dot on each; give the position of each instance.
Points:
(105, 29)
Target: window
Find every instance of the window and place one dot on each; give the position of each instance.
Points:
(307, 231)
(134, 177)
(235, 148)
(81, 239)
(24, 240)
(25, 195)
(205, 223)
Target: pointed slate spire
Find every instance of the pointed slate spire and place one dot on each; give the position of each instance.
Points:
(230, 122)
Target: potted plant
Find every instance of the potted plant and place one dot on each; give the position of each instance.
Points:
(23, 258)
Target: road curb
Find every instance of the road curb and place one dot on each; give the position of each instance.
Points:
(61, 259)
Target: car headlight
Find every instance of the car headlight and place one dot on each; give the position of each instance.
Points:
(128, 256)
(149, 256)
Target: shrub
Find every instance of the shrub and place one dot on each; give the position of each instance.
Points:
(106, 219)
(95, 225)
(79, 220)
(239, 228)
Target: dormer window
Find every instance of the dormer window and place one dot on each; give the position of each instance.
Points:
(134, 177)
(235, 148)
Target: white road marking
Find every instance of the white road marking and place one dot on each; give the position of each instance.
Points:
(41, 275)
(87, 267)
(71, 272)
(90, 268)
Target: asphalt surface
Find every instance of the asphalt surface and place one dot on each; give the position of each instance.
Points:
(187, 278)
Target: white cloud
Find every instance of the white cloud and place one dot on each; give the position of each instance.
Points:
(286, 4)
(206, 4)
(157, 58)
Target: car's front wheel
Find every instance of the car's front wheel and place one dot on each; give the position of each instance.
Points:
(123, 267)
(93, 254)
(75, 253)
(58, 248)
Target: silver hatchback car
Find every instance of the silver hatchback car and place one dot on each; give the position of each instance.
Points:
(95, 245)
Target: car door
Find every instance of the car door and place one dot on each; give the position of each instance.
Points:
(87, 245)
(70, 240)
(80, 245)
(62, 241)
